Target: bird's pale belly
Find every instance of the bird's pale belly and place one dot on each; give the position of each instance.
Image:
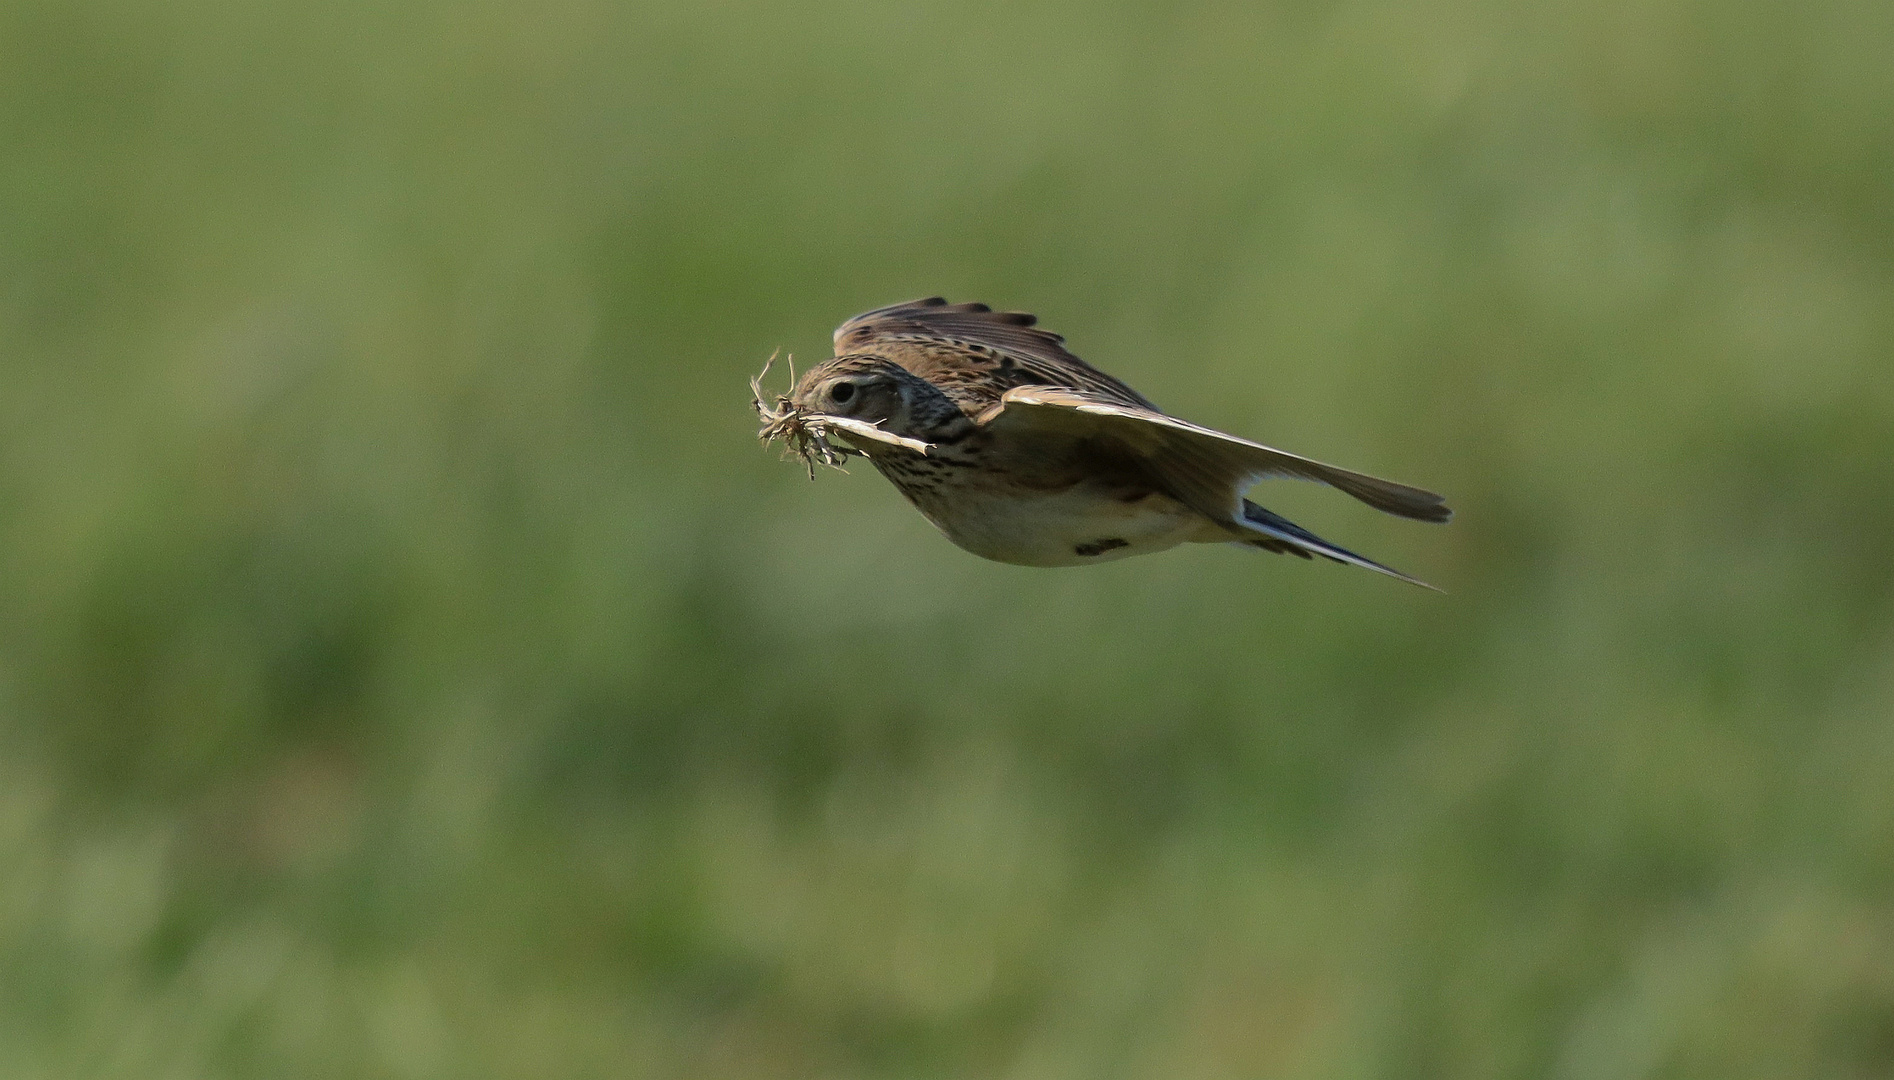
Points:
(1079, 525)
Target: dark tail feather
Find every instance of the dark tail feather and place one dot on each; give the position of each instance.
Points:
(1278, 533)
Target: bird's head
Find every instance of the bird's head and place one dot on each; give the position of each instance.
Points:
(867, 389)
(874, 404)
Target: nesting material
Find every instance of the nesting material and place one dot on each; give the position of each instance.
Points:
(803, 434)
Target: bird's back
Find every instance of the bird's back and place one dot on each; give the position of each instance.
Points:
(973, 353)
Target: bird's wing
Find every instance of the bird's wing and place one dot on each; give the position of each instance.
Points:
(1206, 469)
(972, 349)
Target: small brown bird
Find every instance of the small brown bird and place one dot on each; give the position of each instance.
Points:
(1022, 453)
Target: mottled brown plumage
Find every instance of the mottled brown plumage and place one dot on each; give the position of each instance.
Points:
(1021, 452)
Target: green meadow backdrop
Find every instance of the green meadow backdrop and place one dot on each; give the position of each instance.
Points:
(411, 666)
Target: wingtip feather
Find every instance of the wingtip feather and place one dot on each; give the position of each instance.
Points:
(1286, 534)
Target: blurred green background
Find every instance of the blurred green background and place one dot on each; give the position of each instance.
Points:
(410, 665)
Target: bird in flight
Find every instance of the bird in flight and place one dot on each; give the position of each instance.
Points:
(1022, 453)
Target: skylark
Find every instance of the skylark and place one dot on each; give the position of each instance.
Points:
(1022, 453)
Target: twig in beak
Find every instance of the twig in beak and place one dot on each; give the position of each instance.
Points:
(802, 435)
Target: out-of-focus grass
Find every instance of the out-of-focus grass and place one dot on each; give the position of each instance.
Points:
(409, 666)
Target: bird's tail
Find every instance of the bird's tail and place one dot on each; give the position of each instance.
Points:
(1278, 533)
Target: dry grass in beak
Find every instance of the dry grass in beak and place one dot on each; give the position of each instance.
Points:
(803, 435)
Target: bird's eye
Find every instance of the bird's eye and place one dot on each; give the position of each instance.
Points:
(841, 392)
